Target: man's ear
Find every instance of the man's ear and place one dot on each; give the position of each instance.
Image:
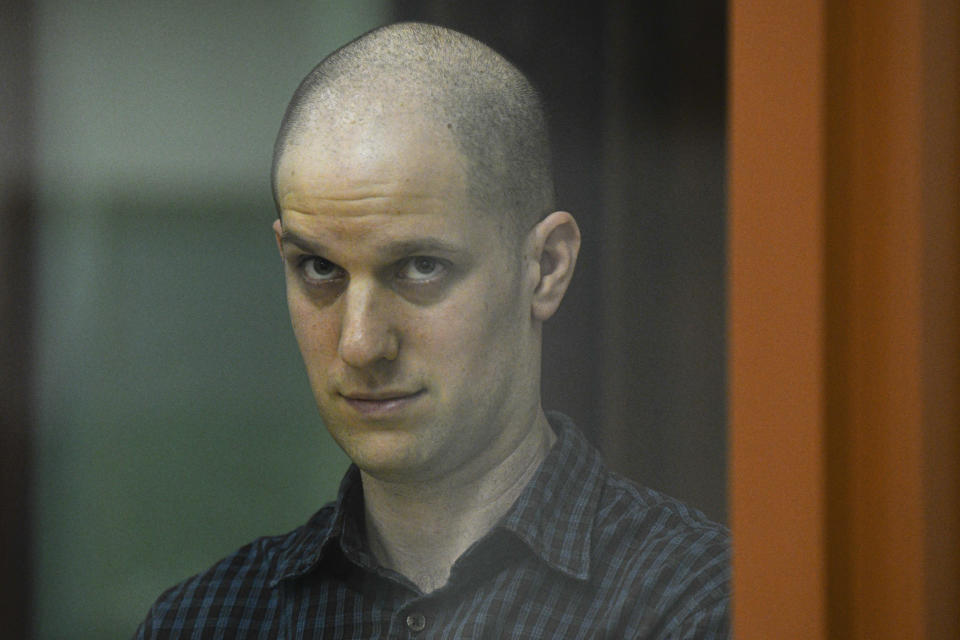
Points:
(555, 242)
(278, 232)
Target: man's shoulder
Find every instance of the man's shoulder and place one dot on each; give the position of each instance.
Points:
(651, 514)
(661, 551)
(239, 582)
(655, 566)
(636, 534)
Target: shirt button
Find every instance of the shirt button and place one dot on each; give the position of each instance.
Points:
(416, 622)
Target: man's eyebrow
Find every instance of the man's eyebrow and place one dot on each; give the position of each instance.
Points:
(422, 245)
(397, 248)
(303, 243)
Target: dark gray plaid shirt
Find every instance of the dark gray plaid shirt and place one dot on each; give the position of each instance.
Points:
(583, 553)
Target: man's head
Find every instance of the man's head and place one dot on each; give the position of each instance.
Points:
(412, 179)
(492, 111)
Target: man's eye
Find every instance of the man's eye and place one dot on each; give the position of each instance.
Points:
(320, 270)
(421, 268)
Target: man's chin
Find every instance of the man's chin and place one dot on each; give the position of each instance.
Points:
(390, 453)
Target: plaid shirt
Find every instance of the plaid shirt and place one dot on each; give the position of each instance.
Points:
(583, 553)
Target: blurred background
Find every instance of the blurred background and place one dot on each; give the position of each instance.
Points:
(155, 411)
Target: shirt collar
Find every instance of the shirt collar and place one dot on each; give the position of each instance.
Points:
(310, 542)
(553, 516)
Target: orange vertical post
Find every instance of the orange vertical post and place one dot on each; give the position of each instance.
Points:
(776, 300)
(893, 318)
(844, 284)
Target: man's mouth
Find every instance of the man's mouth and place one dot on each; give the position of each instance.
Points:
(382, 403)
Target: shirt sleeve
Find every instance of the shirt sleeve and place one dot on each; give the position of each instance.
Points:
(141, 632)
(145, 630)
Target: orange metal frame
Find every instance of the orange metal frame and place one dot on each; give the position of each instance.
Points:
(844, 298)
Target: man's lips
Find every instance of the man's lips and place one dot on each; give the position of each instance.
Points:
(380, 403)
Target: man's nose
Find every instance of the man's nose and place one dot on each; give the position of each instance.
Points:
(367, 334)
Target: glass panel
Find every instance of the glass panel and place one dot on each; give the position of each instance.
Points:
(176, 422)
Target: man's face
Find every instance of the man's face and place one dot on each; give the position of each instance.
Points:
(411, 308)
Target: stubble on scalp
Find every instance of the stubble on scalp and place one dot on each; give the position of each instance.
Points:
(490, 109)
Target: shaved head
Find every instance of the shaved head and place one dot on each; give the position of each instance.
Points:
(457, 84)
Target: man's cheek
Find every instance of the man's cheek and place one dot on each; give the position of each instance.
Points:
(316, 338)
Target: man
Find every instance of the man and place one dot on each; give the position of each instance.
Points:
(422, 254)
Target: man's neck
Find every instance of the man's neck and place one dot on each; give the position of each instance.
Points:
(419, 530)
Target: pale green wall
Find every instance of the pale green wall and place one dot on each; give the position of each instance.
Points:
(176, 421)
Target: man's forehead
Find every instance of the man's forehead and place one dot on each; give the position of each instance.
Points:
(331, 120)
(347, 201)
(370, 161)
